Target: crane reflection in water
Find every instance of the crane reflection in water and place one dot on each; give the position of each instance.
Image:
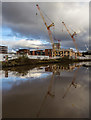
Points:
(57, 84)
(55, 69)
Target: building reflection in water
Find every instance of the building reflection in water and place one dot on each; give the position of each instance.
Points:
(6, 73)
(56, 70)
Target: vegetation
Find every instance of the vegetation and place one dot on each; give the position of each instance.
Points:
(19, 62)
(24, 60)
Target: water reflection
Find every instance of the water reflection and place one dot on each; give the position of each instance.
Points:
(73, 83)
(55, 69)
(46, 91)
(6, 73)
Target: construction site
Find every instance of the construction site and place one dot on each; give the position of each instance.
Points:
(45, 70)
(56, 50)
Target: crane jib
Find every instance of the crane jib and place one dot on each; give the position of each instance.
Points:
(48, 27)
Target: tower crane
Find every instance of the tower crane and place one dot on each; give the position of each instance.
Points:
(72, 36)
(47, 26)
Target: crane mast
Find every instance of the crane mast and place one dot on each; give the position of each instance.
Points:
(72, 36)
(48, 27)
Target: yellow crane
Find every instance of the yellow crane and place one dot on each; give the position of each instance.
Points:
(47, 26)
(72, 36)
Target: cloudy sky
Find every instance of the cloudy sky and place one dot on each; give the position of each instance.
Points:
(23, 28)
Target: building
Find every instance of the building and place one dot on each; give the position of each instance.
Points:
(56, 49)
(64, 53)
(3, 49)
(37, 52)
(57, 52)
(23, 51)
(48, 52)
(67, 52)
(56, 46)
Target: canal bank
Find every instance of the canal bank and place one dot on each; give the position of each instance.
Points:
(22, 61)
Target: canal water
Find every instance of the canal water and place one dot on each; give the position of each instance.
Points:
(50, 91)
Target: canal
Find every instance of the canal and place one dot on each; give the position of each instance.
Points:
(49, 91)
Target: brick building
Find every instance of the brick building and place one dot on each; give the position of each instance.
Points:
(37, 52)
(23, 51)
(48, 52)
(3, 49)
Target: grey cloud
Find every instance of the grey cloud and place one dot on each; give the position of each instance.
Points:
(21, 18)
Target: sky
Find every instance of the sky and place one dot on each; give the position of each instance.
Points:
(23, 28)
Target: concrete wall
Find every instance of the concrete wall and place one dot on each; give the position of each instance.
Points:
(10, 56)
(37, 57)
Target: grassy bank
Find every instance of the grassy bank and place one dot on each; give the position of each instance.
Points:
(22, 61)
